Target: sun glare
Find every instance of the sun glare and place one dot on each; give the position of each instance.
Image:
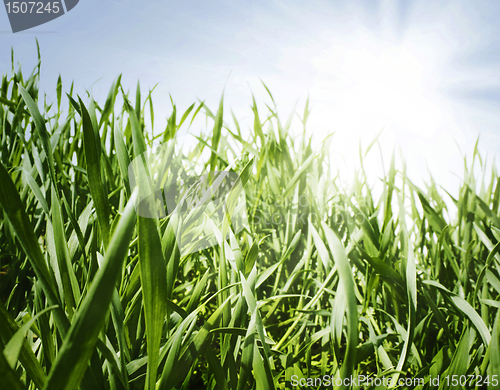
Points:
(383, 87)
(364, 88)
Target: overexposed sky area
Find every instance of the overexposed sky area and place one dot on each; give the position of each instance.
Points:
(428, 73)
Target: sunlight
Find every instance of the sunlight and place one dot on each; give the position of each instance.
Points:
(369, 85)
(377, 84)
(384, 87)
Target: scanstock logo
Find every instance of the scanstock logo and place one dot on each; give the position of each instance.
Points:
(204, 208)
(27, 14)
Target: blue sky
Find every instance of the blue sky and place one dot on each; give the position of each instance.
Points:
(426, 72)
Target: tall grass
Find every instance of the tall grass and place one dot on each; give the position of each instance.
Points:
(322, 281)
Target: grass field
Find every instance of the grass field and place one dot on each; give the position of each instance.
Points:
(323, 280)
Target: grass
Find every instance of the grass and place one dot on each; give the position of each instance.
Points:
(323, 280)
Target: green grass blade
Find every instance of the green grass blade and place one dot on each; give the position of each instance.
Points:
(41, 130)
(8, 375)
(62, 253)
(92, 156)
(195, 348)
(459, 362)
(247, 354)
(8, 328)
(79, 344)
(123, 157)
(152, 266)
(14, 210)
(14, 346)
(36, 191)
(154, 290)
(216, 134)
(411, 289)
(464, 306)
(494, 350)
(345, 274)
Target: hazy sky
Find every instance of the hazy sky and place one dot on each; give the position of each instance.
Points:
(426, 72)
